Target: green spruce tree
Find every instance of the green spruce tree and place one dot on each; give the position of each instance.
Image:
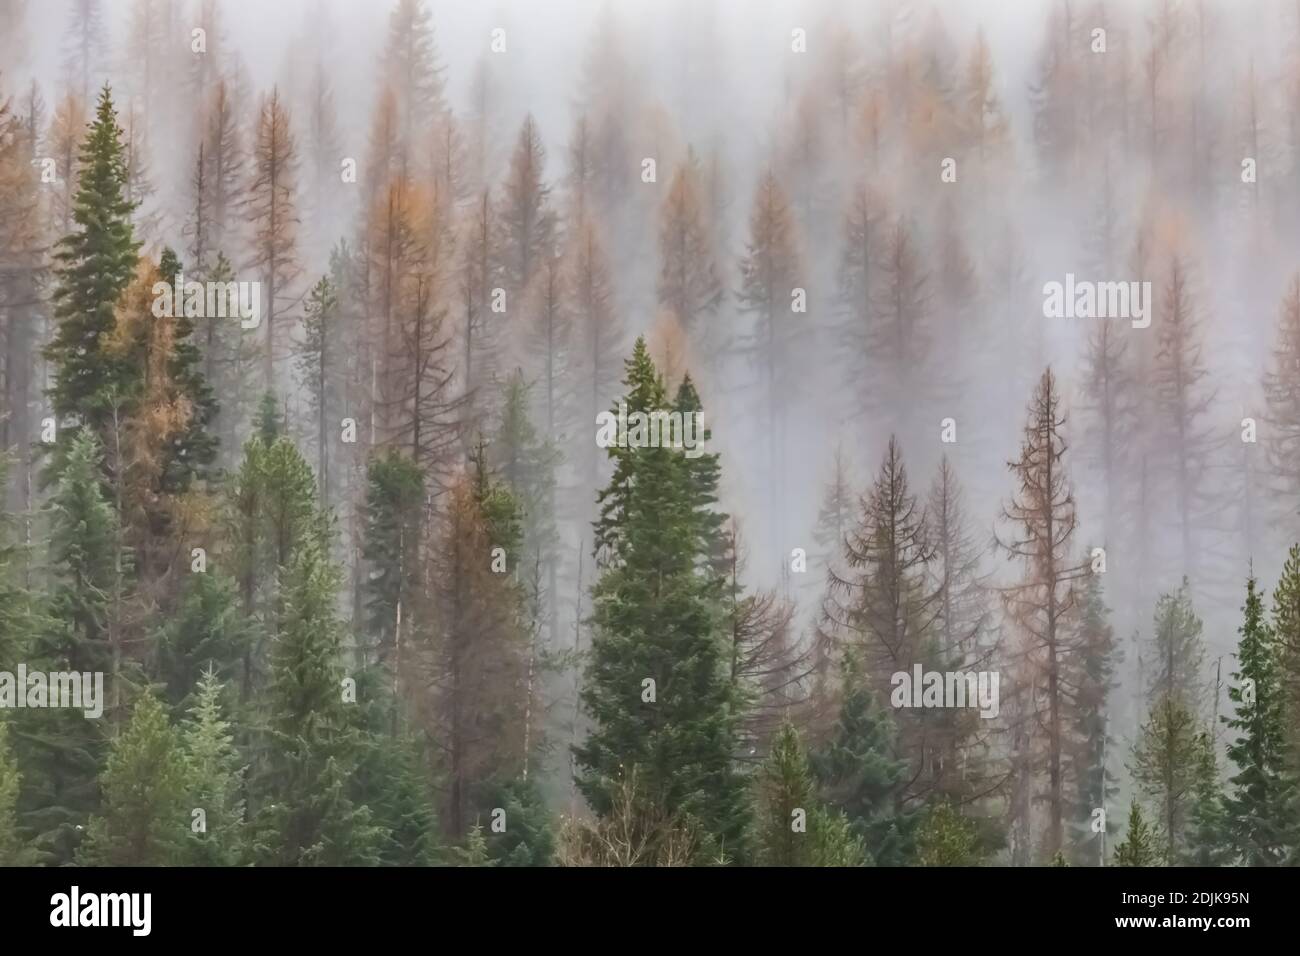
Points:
(62, 752)
(1207, 833)
(1140, 847)
(270, 515)
(95, 264)
(655, 687)
(785, 798)
(214, 777)
(307, 813)
(1260, 825)
(143, 818)
(858, 773)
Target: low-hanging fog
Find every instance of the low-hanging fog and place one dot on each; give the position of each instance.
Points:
(838, 217)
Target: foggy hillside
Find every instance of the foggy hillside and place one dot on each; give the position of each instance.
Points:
(991, 313)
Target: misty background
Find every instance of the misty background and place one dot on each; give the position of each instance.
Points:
(1106, 164)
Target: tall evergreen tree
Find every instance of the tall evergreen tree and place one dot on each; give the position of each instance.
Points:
(423, 412)
(1167, 762)
(479, 326)
(214, 778)
(858, 774)
(13, 851)
(1286, 626)
(84, 43)
(965, 640)
(142, 821)
(526, 462)
(307, 814)
(1208, 840)
(412, 71)
(270, 514)
(655, 686)
(95, 264)
(225, 153)
(63, 751)
(963, 616)
(1256, 808)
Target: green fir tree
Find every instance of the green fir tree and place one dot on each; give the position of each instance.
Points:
(96, 262)
(655, 687)
(308, 815)
(143, 818)
(1260, 824)
(214, 777)
(858, 774)
(793, 829)
(1140, 847)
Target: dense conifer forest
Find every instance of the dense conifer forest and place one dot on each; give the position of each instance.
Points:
(689, 433)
